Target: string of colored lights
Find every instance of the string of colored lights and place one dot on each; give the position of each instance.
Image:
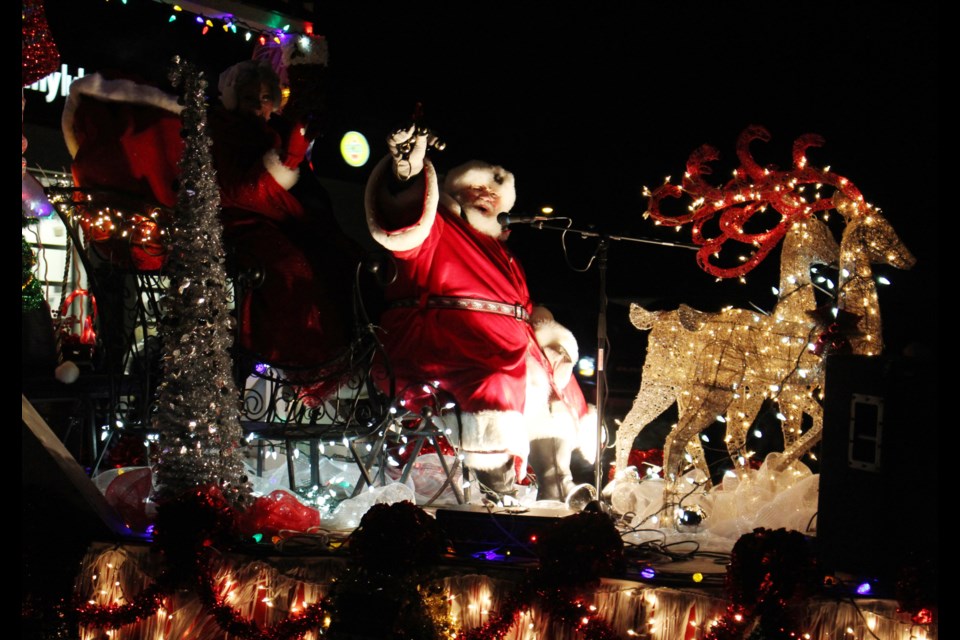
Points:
(233, 24)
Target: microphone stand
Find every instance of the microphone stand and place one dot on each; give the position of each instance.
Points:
(601, 256)
(601, 369)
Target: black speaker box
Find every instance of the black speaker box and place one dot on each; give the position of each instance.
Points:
(498, 533)
(878, 512)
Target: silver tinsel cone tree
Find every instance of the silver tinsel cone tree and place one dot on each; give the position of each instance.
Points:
(198, 415)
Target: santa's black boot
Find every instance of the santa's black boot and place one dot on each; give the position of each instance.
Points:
(497, 482)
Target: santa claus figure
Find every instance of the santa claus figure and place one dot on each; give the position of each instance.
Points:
(124, 136)
(279, 221)
(459, 314)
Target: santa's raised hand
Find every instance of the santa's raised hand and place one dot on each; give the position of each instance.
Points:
(408, 147)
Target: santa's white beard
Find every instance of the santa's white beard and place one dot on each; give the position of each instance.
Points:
(484, 224)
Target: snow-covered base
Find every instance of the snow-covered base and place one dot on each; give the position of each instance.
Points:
(761, 498)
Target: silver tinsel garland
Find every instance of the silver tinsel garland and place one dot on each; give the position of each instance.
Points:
(198, 401)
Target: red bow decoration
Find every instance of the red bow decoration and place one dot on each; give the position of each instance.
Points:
(652, 457)
(276, 512)
(837, 331)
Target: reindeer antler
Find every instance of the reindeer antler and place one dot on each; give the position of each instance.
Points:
(751, 191)
(750, 167)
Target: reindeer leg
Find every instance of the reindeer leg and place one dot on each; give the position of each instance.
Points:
(805, 442)
(651, 401)
(793, 405)
(698, 458)
(741, 416)
(711, 402)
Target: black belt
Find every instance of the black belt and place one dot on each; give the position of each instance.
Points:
(517, 311)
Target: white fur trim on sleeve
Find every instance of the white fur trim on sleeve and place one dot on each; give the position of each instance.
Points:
(379, 205)
(551, 333)
(284, 175)
(96, 86)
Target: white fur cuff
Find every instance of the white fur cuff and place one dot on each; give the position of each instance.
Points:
(380, 205)
(551, 333)
(284, 175)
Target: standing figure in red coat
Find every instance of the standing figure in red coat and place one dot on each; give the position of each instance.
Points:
(278, 221)
(460, 314)
(124, 135)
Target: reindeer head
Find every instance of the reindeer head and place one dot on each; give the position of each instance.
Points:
(867, 231)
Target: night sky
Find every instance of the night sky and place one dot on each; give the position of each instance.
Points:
(589, 105)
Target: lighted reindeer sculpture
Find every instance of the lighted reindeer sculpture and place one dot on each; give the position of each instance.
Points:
(727, 364)
(737, 358)
(868, 239)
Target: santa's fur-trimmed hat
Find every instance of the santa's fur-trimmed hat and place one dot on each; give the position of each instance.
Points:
(260, 71)
(481, 174)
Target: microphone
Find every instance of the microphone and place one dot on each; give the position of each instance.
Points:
(506, 219)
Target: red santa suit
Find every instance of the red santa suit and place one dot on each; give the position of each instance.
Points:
(299, 316)
(124, 136)
(460, 314)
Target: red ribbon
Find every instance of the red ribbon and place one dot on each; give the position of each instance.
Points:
(651, 457)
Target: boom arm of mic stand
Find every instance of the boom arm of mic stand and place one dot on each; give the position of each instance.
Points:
(589, 233)
(602, 325)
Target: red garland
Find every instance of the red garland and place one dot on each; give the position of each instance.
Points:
(499, 623)
(560, 604)
(204, 512)
(114, 617)
(769, 572)
(151, 599)
(232, 622)
(594, 541)
(186, 529)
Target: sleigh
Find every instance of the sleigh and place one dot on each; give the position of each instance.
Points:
(337, 410)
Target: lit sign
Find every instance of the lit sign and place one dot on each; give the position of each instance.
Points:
(57, 83)
(354, 149)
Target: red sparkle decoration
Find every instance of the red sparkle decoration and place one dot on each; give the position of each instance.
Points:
(924, 616)
(38, 50)
(643, 459)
